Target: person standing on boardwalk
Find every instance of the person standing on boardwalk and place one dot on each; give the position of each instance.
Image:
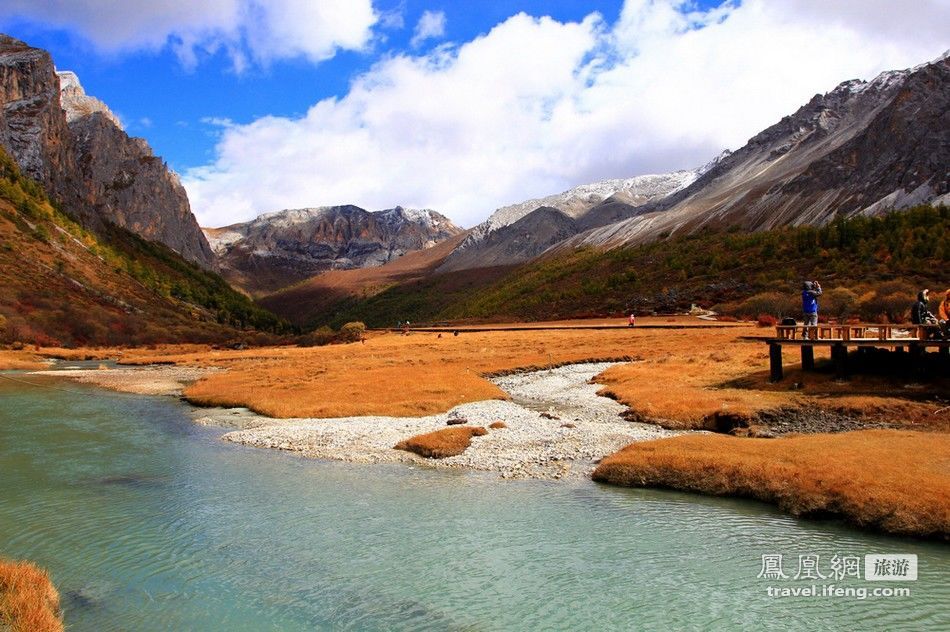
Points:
(943, 314)
(811, 290)
(920, 313)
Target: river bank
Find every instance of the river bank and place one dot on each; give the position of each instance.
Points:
(145, 380)
(556, 426)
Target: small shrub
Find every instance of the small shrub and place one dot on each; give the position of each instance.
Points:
(352, 332)
(839, 302)
(317, 338)
(41, 233)
(497, 425)
(766, 320)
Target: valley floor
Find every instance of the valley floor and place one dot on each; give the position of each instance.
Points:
(355, 402)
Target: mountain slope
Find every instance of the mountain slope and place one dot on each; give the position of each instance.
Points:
(74, 146)
(485, 244)
(62, 284)
(279, 249)
(317, 300)
(870, 267)
(865, 147)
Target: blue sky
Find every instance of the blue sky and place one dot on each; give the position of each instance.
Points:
(269, 104)
(172, 100)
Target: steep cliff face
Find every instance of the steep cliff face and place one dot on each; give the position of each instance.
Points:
(74, 146)
(279, 249)
(32, 127)
(130, 187)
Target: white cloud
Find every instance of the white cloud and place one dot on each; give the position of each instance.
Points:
(536, 106)
(430, 26)
(246, 30)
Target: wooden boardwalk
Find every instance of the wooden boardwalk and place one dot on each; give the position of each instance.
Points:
(529, 327)
(916, 339)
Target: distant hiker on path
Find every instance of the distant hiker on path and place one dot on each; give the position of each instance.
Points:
(632, 321)
(811, 290)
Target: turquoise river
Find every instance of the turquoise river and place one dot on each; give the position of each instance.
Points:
(148, 522)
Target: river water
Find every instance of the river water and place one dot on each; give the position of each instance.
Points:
(148, 522)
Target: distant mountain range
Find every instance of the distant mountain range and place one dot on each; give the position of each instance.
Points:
(520, 232)
(279, 249)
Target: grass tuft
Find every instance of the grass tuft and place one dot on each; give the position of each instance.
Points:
(442, 443)
(28, 600)
(887, 480)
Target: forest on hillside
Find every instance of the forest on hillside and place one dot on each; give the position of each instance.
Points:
(870, 267)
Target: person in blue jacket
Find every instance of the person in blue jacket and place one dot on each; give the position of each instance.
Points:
(811, 290)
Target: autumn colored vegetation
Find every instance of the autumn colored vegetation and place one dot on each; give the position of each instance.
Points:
(679, 377)
(871, 268)
(28, 600)
(442, 443)
(20, 360)
(888, 480)
(62, 284)
(390, 374)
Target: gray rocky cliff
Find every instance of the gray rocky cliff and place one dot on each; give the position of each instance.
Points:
(279, 249)
(33, 129)
(75, 147)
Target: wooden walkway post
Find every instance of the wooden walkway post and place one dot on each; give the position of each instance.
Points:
(775, 362)
(808, 358)
(839, 353)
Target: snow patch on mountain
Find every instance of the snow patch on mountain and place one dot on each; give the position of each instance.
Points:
(577, 201)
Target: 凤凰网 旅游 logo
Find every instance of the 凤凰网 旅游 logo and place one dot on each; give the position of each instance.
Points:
(837, 575)
(892, 567)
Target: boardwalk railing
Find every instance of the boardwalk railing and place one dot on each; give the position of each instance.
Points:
(856, 332)
(840, 337)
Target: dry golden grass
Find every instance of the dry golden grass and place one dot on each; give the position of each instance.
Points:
(679, 377)
(84, 353)
(497, 425)
(890, 480)
(391, 374)
(28, 600)
(20, 361)
(442, 443)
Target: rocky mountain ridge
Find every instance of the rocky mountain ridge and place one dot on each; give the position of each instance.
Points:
(279, 249)
(76, 148)
(511, 235)
(866, 147)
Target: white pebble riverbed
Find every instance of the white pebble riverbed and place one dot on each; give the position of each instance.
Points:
(532, 446)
